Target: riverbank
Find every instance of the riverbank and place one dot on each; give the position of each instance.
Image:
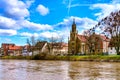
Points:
(98, 58)
(17, 57)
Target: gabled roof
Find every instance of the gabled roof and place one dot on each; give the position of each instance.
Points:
(40, 44)
(65, 44)
(104, 38)
(81, 38)
(14, 47)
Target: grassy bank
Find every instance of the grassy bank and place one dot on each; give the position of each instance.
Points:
(107, 58)
(16, 57)
(111, 58)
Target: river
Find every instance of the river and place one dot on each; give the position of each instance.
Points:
(58, 70)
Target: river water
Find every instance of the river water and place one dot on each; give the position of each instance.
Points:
(58, 70)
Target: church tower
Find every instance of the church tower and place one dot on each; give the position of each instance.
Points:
(72, 46)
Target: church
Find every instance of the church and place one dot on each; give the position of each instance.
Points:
(81, 44)
(76, 42)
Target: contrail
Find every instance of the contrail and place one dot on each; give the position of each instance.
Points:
(69, 6)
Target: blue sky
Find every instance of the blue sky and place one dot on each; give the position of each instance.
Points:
(21, 19)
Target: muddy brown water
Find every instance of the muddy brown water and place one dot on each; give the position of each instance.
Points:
(58, 70)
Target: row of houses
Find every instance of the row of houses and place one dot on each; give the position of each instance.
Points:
(27, 50)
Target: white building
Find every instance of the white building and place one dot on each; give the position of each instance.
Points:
(111, 50)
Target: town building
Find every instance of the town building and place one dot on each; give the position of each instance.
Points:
(113, 46)
(41, 47)
(60, 48)
(5, 47)
(26, 51)
(14, 50)
(11, 49)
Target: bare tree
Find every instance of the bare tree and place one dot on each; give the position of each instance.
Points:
(60, 43)
(111, 28)
(91, 40)
(56, 43)
(31, 44)
(33, 41)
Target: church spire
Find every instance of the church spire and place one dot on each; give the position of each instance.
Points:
(73, 20)
(73, 26)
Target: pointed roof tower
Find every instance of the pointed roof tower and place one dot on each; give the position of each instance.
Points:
(74, 26)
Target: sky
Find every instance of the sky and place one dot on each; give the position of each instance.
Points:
(43, 19)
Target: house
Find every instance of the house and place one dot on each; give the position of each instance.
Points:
(41, 47)
(60, 48)
(64, 49)
(113, 45)
(5, 48)
(111, 50)
(105, 44)
(26, 51)
(81, 44)
(11, 49)
(14, 50)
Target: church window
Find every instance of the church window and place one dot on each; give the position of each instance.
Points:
(72, 43)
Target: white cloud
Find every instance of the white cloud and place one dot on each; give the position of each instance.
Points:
(106, 9)
(48, 34)
(29, 3)
(8, 32)
(27, 34)
(115, 1)
(35, 26)
(8, 23)
(14, 16)
(81, 23)
(42, 10)
(15, 9)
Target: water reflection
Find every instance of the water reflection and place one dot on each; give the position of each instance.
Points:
(58, 70)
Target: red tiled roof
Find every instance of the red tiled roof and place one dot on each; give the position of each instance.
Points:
(65, 44)
(82, 38)
(104, 38)
(15, 47)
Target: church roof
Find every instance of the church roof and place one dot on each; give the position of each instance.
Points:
(81, 38)
(104, 38)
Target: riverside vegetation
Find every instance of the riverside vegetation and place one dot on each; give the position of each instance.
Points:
(43, 56)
